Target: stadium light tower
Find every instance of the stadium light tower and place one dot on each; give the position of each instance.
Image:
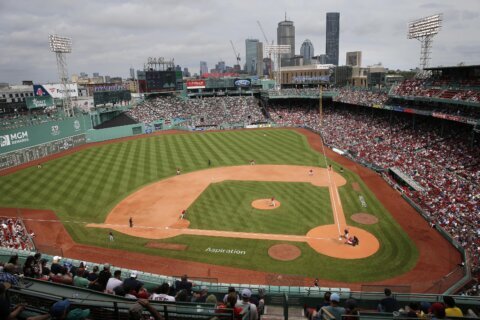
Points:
(424, 30)
(61, 46)
(277, 50)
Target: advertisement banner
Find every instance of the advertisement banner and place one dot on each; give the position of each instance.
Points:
(25, 137)
(242, 83)
(55, 90)
(39, 102)
(195, 84)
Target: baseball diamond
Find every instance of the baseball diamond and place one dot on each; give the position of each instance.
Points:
(106, 183)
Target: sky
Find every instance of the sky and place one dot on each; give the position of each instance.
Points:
(110, 36)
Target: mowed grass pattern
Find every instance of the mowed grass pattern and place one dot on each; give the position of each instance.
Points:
(84, 187)
(227, 206)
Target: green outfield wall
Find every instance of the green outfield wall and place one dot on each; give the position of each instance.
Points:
(115, 132)
(28, 143)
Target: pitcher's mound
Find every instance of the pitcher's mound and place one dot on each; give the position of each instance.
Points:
(284, 252)
(265, 204)
(364, 218)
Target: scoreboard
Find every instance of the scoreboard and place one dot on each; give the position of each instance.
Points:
(105, 97)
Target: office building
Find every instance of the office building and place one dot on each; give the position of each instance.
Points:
(332, 37)
(251, 48)
(286, 36)
(306, 50)
(132, 73)
(259, 60)
(203, 67)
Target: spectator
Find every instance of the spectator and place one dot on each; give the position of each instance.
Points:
(5, 308)
(79, 280)
(29, 268)
(184, 284)
(389, 303)
(132, 282)
(333, 311)
(249, 310)
(136, 311)
(103, 277)
(115, 281)
(14, 260)
(161, 293)
(437, 311)
(230, 290)
(201, 296)
(93, 276)
(451, 310)
(56, 268)
(8, 276)
(351, 311)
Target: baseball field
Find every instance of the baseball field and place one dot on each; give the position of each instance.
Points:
(96, 190)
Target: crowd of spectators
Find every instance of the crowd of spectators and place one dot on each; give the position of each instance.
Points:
(438, 89)
(211, 111)
(446, 165)
(360, 97)
(295, 92)
(30, 118)
(13, 234)
(243, 303)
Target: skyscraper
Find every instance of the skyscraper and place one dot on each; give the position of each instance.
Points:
(332, 37)
(203, 67)
(251, 47)
(286, 36)
(307, 52)
(259, 66)
(132, 73)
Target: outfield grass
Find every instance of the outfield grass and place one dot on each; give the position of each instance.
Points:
(83, 187)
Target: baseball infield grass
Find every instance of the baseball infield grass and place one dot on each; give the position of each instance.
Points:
(83, 187)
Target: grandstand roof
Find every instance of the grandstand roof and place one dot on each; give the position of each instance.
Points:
(452, 67)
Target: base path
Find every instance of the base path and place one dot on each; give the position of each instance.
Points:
(155, 208)
(158, 206)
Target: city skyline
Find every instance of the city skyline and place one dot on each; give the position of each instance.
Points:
(112, 36)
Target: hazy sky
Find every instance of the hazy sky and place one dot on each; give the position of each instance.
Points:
(110, 36)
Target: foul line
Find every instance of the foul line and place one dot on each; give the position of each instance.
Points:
(332, 188)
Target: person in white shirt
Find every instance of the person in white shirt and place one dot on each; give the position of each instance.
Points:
(249, 310)
(161, 293)
(114, 282)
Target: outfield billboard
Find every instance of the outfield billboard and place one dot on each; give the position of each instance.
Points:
(196, 84)
(55, 90)
(25, 137)
(39, 102)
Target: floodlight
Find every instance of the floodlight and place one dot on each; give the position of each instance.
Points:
(60, 44)
(424, 30)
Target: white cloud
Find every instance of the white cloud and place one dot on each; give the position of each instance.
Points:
(110, 36)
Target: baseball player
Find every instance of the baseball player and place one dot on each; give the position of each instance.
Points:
(110, 236)
(346, 233)
(310, 173)
(182, 215)
(273, 204)
(130, 222)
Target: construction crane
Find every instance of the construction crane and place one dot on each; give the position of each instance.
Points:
(269, 55)
(263, 32)
(237, 55)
